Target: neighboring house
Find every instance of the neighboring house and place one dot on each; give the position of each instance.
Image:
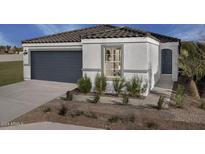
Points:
(115, 51)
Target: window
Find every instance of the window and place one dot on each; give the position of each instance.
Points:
(112, 62)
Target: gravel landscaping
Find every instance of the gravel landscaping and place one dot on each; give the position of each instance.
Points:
(150, 100)
(180, 111)
(191, 112)
(110, 116)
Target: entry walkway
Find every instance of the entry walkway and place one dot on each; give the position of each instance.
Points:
(164, 86)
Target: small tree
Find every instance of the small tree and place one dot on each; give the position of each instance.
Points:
(118, 85)
(192, 64)
(100, 83)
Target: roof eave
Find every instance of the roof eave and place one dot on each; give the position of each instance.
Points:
(51, 44)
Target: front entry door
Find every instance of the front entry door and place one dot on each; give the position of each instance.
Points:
(166, 61)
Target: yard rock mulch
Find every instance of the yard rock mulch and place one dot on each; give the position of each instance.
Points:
(124, 117)
(190, 112)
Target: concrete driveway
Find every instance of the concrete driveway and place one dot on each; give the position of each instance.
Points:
(17, 99)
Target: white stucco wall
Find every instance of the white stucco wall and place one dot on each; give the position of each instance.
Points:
(136, 61)
(27, 72)
(135, 57)
(26, 61)
(154, 64)
(91, 56)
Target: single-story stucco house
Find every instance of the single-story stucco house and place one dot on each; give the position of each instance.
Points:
(115, 51)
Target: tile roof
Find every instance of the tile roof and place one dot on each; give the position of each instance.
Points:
(118, 32)
(100, 31)
(164, 38)
(69, 36)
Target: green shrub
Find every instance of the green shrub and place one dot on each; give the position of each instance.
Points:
(63, 110)
(152, 125)
(100, 83)
(202, 105)
(125, 118)
(63, 98)
(76, 113)
(131, 118)
(95, 99)
(118, 85)
(69, 96)
(179, 97)
(85, 84)
(136, 87)
(160, 102)
(143, 88)
(113, 119)
(46, 109)
(179, 101)
(180, 89)
(91, 115)
(125, 99)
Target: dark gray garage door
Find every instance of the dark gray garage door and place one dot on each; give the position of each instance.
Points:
(166, 60)
(63, 66)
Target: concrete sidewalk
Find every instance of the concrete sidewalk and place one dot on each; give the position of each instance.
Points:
(47, 126)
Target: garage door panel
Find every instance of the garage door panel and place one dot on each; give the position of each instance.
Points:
(63, 66)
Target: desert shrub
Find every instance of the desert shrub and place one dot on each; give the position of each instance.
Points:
(46, 109)
(127, 118)
(131, 118)
(85, 84)
(202, 104)
(91, 115)
(63, 98)
(69, 95)
(136, 87)
(160, 102)
(179, 97)
(76, 113)
(63, 110)
(113, 119)
(125, 99)
(152, 125)
(95, 99)
(107, 127)
(118, 85)
(143, 88)
(100, 83)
